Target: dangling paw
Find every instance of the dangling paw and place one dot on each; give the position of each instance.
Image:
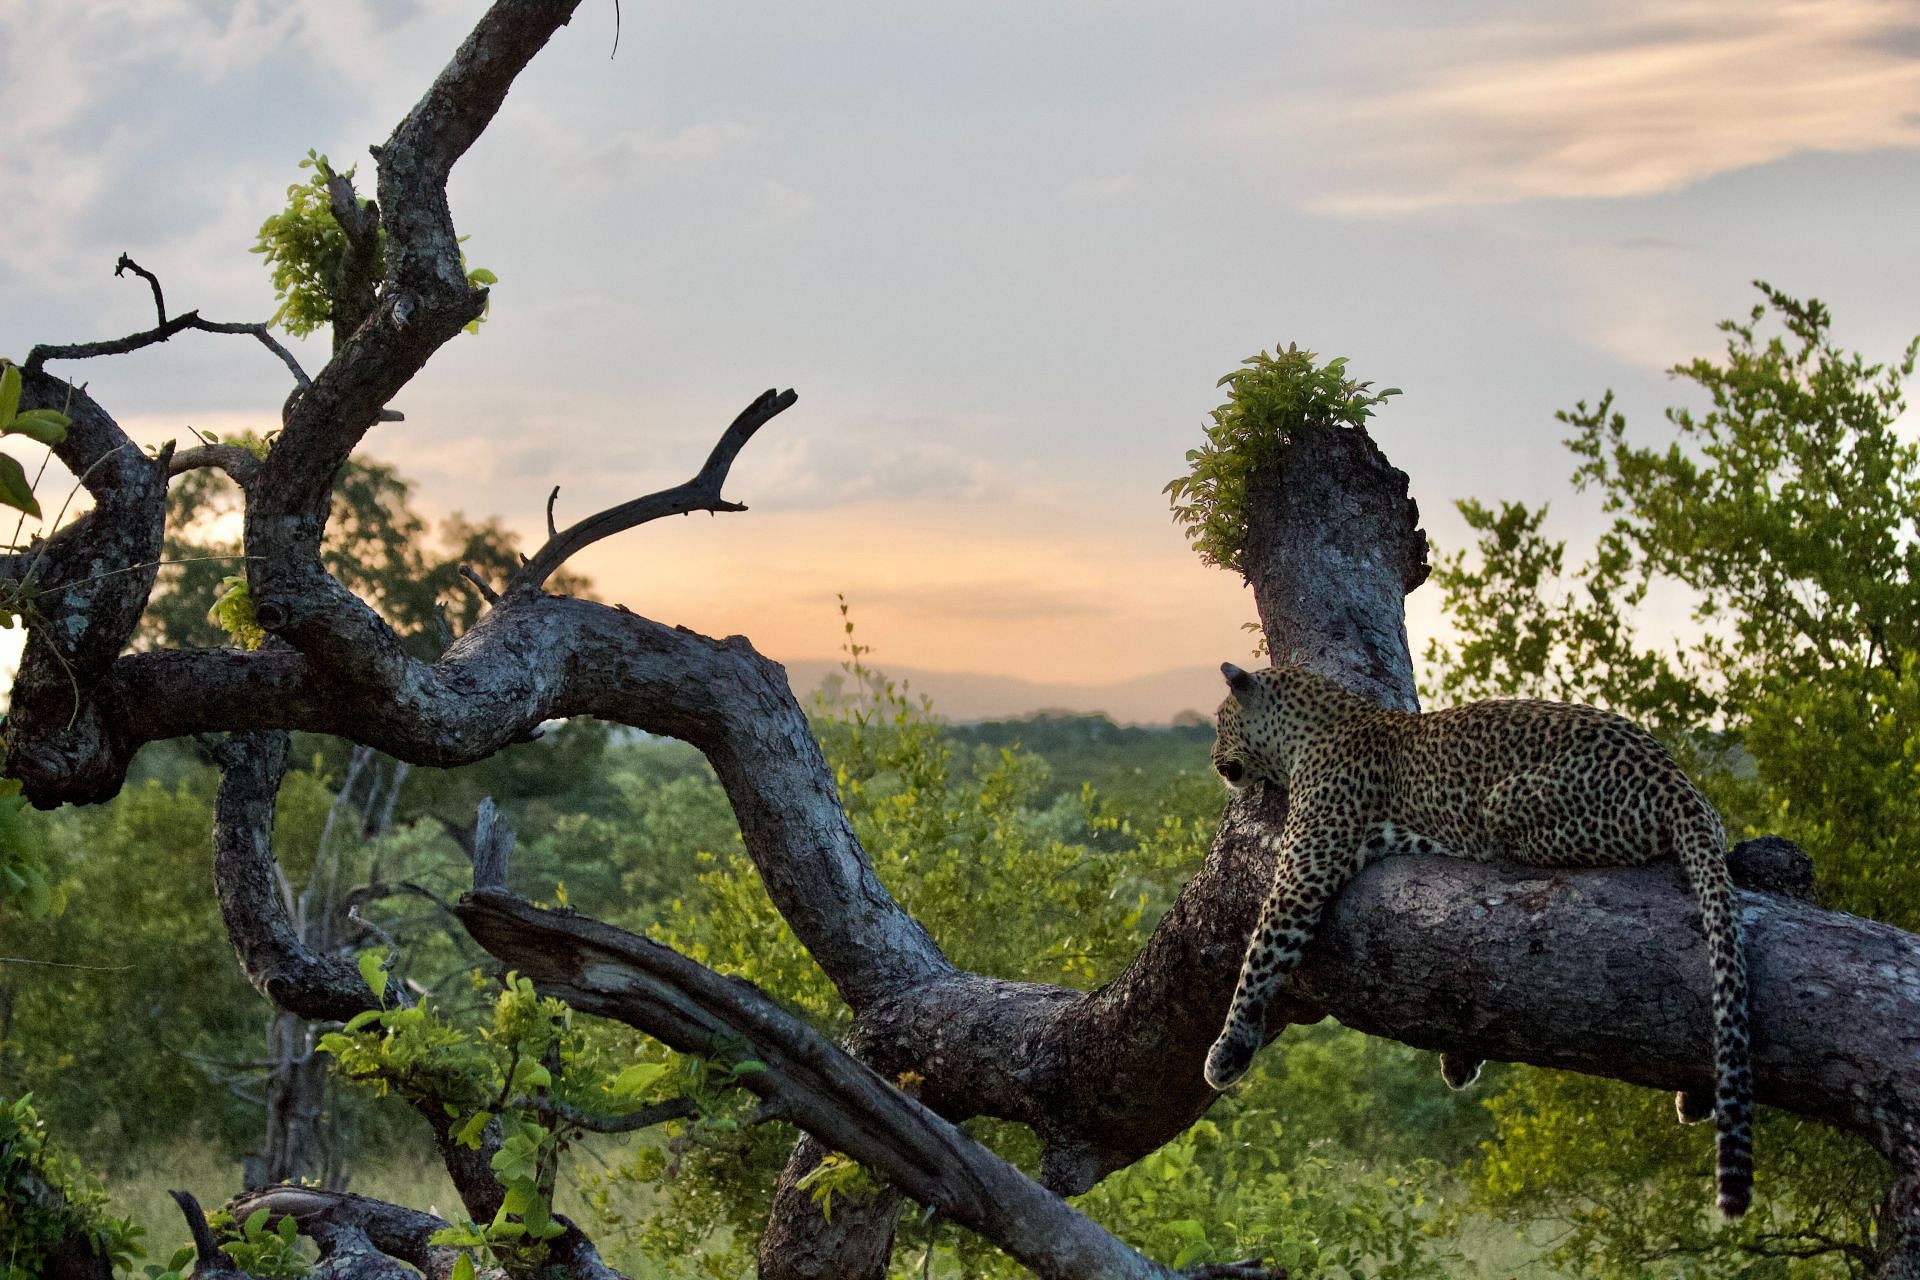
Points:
(1459, 1071)
(1230, 1057)
(1693, 1105)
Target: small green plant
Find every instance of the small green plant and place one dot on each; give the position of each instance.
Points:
(526, 1084)
(836, 1174)
(305, 251)
(232, 612)
(304, 248)
(269, 1252)
(1268, 399)
(49, 1201)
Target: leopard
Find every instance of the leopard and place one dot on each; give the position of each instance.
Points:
(1548, 784)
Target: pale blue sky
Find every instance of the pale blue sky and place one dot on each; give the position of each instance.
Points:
(1002, 251)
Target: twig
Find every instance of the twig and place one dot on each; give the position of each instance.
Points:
(631, 1122)
(127, 264)
(161, 332)
(551, 499)
(62, 964)
(702, 493)
(487, 593)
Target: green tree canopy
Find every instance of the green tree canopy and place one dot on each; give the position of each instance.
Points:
(1782, 506)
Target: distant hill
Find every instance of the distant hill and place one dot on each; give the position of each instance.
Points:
(965, 696)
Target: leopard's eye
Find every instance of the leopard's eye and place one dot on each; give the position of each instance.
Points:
(1232, 771)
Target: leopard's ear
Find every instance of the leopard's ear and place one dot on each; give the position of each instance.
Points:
(1237, 680)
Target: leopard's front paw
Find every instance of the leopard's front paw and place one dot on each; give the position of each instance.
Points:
(1458, 1070)
(1230, 1057)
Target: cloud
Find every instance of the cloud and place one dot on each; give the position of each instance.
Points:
(786, 203)
(1623, 101)
(637, 148)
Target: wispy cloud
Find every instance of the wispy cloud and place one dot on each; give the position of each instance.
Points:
(635, 148)
(1619, 101)
(787, 204)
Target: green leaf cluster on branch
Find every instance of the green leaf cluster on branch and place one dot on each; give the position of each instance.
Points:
(305, 249)
(1268, 399)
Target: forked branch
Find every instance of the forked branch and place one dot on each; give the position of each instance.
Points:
(163, 330)
(702, 493)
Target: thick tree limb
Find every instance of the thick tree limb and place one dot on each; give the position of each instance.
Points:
(1104, 1077)
(601, 970)
(240, 464)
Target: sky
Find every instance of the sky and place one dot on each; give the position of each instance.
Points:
(1003, 251)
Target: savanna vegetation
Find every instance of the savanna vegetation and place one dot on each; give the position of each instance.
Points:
(1046, 856)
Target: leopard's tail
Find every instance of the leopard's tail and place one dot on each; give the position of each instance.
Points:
(1700, 842)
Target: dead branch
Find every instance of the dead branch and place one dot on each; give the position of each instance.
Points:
(702, 493)
(163, 330)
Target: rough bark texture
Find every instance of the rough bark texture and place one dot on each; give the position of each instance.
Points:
(1599, 971)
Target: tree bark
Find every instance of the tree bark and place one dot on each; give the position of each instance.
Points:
(1481, 960)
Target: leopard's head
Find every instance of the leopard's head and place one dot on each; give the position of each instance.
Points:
(1268, 715)
(1242, 729)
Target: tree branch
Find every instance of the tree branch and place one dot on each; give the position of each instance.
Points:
(240, 464)
(604, 971)
(702, 493)
(162, 331)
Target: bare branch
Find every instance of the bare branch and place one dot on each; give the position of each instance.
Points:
(353, 294)
(240, 464)
(631, 1122)
(211, 1259)
(161, 332)
(127, 264)
(492, 848)
(272, 953)
(480, 584)
(702, 493)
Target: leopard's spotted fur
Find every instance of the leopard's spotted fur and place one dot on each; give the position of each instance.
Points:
(1544, 783)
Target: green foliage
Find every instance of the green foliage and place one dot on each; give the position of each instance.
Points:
(1601, 1158)
(26, 889)
(232, 612)
(49, 1203)
(1227, 1189)
(837, 1174)
(266, 1250)
(42, 425)
(1783, 510)
(304, 249)
(513, 1081)
(1269, 399)
(138, 958)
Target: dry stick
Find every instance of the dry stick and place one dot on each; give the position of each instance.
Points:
(127, 264)
(702, 493)
(487, 593)
(162, 331)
